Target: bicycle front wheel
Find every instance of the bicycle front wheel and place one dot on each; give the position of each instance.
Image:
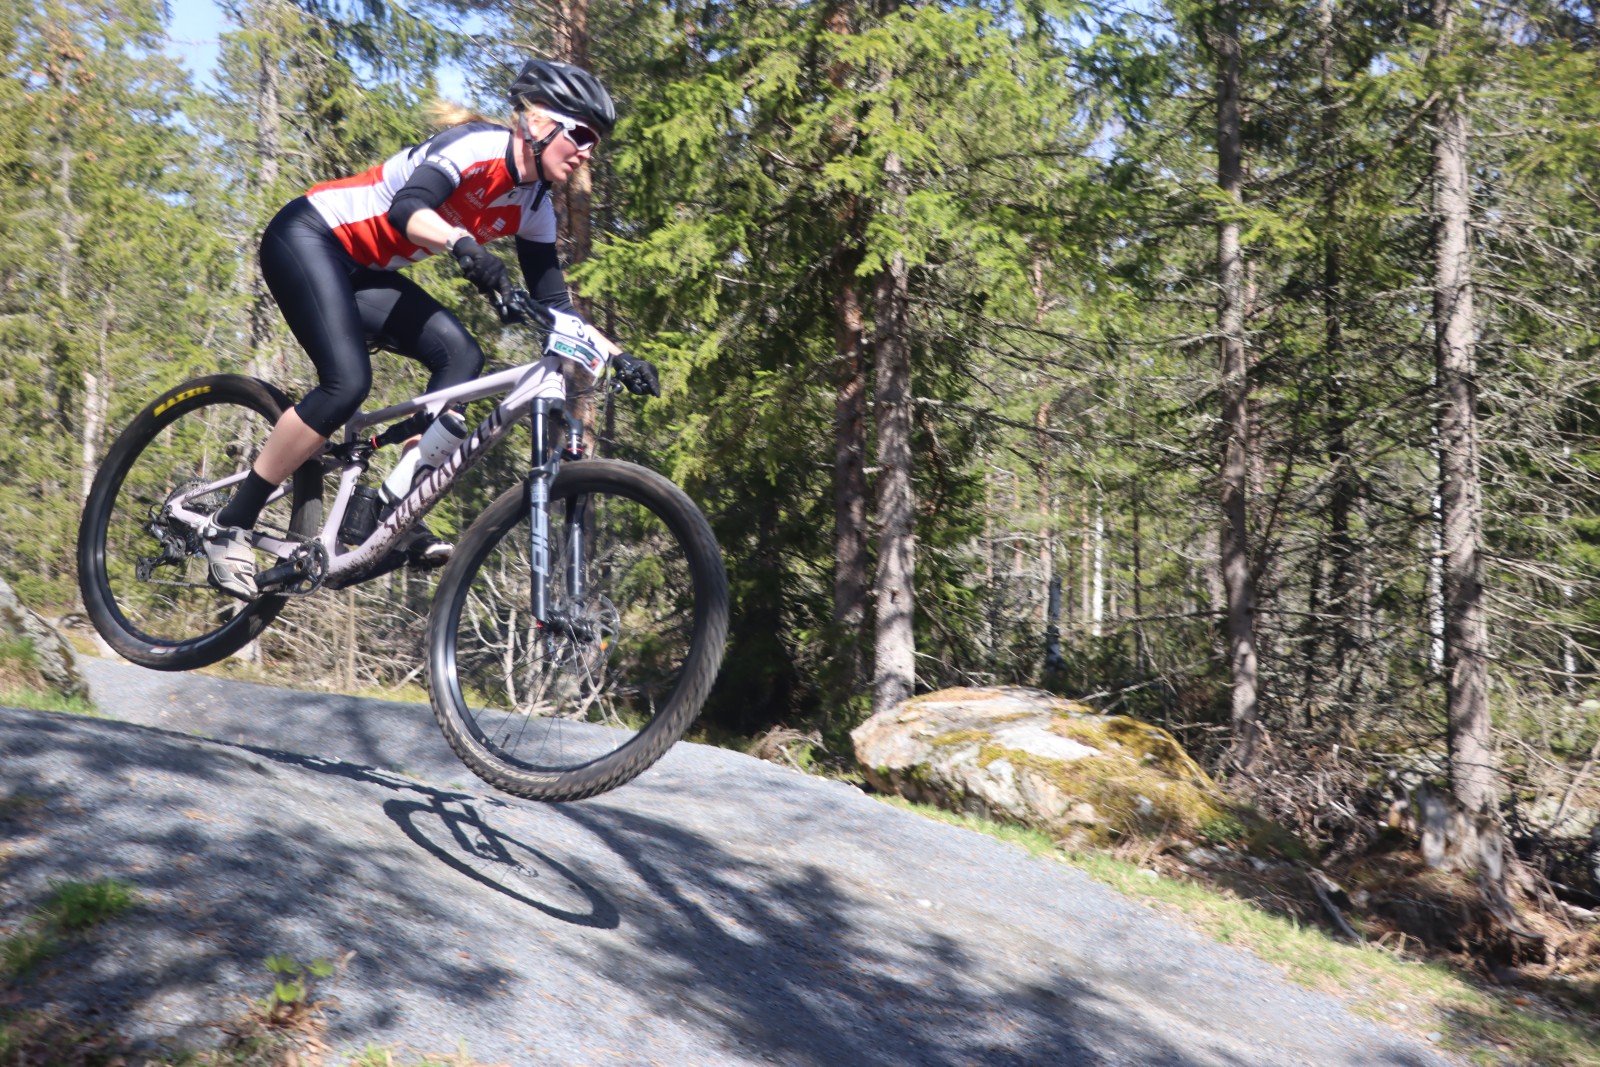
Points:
(141, 572)
(572, 709)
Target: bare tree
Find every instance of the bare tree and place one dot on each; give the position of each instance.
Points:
(1460, 499)
(1237, 579)
(895, 643)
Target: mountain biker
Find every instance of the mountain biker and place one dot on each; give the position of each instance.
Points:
(330, 259)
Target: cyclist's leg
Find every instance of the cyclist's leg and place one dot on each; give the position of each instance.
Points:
(400, 315)
(309, 275)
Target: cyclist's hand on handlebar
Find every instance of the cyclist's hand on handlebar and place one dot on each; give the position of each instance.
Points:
(638, 375)
(481, 267)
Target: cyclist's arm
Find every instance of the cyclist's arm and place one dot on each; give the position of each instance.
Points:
(414, 210)
(541, 270)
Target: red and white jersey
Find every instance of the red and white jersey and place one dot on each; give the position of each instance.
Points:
(487, 200)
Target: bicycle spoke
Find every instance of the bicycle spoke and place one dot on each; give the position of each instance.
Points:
(571, 698)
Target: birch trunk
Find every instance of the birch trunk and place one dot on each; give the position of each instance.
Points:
(264, 353)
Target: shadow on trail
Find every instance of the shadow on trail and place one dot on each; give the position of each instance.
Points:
(239, 854)
(792, 968)
(225, 882)
(463, 841)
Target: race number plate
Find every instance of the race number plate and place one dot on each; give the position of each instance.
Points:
(579, 351)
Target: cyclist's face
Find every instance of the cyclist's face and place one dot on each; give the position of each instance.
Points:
(562, 156)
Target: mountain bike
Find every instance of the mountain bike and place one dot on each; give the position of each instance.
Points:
(574, 634)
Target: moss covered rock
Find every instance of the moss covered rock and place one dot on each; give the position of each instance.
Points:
(29, 645)
(1026, 756)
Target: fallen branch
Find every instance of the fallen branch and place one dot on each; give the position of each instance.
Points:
(1321, 885)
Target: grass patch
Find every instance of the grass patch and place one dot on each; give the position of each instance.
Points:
(1491, 1027)
(76, 906)
(25, 950)
(382, 1057)
(409, 693)
(72, 909)
(21, 685)
(48, 700)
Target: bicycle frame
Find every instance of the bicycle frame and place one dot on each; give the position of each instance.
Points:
(535, 388)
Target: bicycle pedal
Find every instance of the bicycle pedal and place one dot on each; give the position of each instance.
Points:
(300, 576)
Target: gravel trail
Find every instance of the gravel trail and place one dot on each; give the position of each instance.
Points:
(718, 910)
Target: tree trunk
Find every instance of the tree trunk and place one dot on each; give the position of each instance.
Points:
(96, 386)
(894, 590)
(1237, 581)
(574, 197)
(1461, 517)
(264, 353)
(849, 405)
(1341, 579)
(849, 472)
(574, 202)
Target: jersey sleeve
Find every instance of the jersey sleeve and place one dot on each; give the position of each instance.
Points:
(539, 225)
(460, 148)
(428, 187)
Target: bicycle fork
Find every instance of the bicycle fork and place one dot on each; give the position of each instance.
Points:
(545, 465)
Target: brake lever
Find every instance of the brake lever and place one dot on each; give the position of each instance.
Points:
(517, 307)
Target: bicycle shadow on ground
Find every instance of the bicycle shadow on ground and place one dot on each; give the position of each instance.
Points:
(643, 940)
(236, 856)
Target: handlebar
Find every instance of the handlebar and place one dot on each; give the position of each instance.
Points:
(517, 306)
(636, 375)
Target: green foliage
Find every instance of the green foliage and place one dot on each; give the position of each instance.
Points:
(1047, 172)
(291, 990)
(72, 909)
(76, 906)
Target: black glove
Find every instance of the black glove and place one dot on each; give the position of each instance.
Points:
(481, 267)
(639, 375)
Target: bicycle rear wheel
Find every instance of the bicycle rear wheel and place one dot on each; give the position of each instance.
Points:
(141, 573)
(566, 712)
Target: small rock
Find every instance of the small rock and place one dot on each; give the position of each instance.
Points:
(1151, 875)
(1435, 1036)
(1082, 813)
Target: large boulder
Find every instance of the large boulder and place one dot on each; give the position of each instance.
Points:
(1026, 756)
(37, 647)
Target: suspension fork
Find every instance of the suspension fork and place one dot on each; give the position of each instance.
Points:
(544, 467)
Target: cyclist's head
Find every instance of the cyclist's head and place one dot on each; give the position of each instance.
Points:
(564, 92)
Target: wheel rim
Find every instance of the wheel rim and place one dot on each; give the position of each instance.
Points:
(547, 702)
(154, 567)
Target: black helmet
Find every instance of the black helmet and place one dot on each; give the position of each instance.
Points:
(570, 90)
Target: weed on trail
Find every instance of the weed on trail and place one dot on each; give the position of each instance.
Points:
(76, 906)
(73, 909)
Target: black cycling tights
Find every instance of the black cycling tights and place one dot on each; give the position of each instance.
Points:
(337, 308)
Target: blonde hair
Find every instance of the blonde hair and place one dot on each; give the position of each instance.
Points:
(444, 113)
